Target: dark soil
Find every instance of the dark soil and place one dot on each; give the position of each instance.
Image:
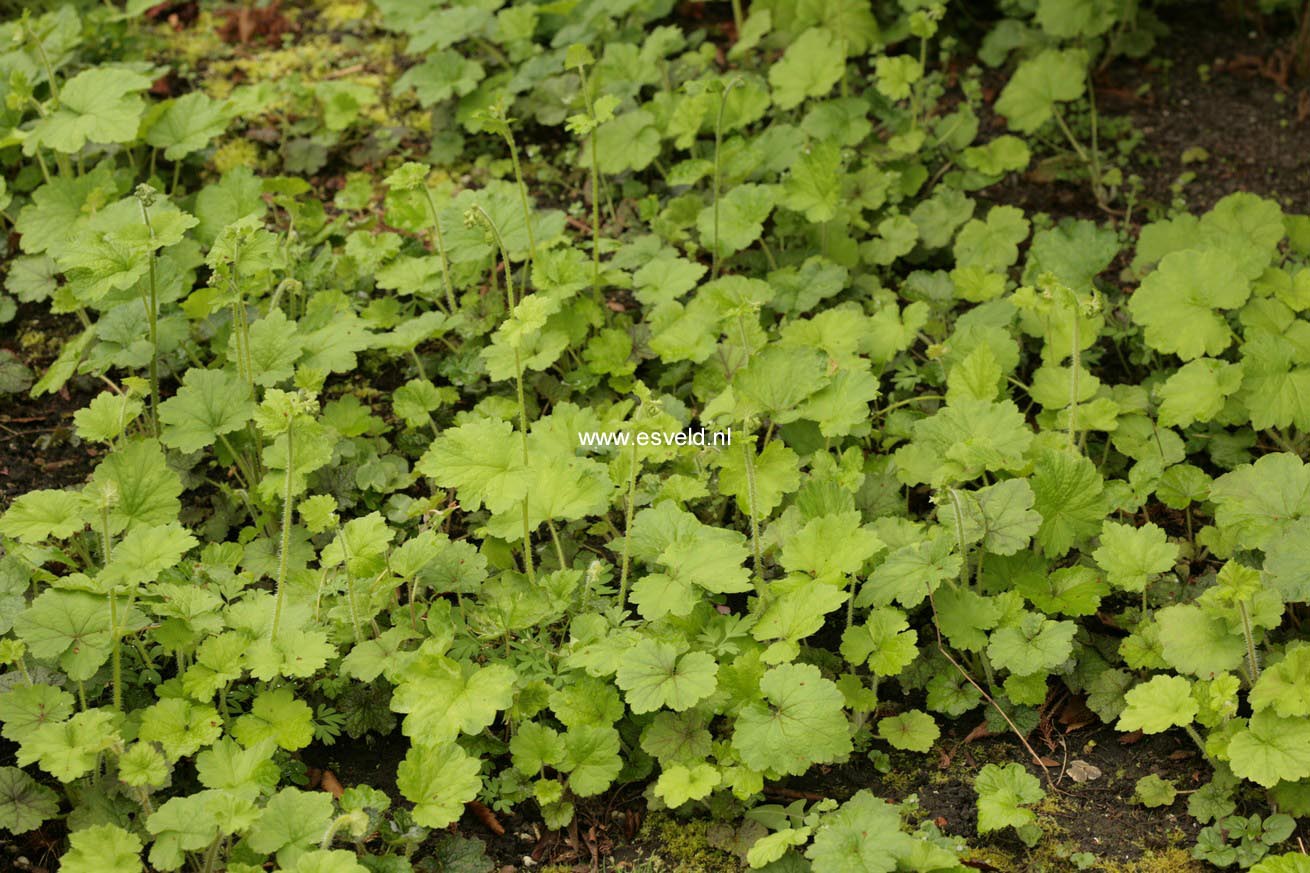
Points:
(1213, 92)
(1095, 816)
(1215, 85)
(38, 448)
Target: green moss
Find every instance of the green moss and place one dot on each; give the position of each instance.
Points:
(236, 152)
(683, 847)
(1174, 860)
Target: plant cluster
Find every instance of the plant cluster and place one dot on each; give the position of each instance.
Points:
(979, 456)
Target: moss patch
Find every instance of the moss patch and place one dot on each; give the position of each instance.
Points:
(682, 846)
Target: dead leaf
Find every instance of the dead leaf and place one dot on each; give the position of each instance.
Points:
(1081, 771)
(331, 784)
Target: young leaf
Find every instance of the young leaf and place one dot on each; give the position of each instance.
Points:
(1002, 794)
(1152, 791)
(1131, 556)
(812, 64)
(591, 758)
(1029, 99)
(209, 404)
(1177, 303)
(439, 778)
(442, 698)
(1271, 749)
(802, 724)
(100, 105)
(38, 515)
(842, 841)
(678, 784)
(291, 823)
(1158, 704)
(912, 731)
(653, 675)
(105, 848)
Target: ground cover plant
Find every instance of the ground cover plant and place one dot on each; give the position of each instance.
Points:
(368, 327)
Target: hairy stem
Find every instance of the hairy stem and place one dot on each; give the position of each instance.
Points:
(152, 315)
(595, 190)
(441, 249)
(629, 510)
(285, 546)
(718, 145)
(748, 455)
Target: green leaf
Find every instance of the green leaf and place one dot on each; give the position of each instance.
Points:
(630, 141)
(439, 778)
(481, 461)
(187, 124)
(742, 213)
(106, 417)
(69, 627)
(1257, 502)
(813, 63)
(774, 847)
(1002, 794)
(897, 75)
(102, 848)
(678, 784)
(1196, 642)
(1272, 749)
(442, 75)
(1035, 644)
(842, 841)
(145, 552)
(142, 765)
(884, 642)
(993, 244)
(653, 675)
(24, 803)
(1069, 495)
(292, 822)
(830, 547)
(145, 489)
(328, 861)
(100, 105)
(1197, 392)
(69, 750)
(911, 573)
(25, 708)
(38, 515)
(591, 758)
(712, 560)
(1177, 303)
(1132, 556)
(1029, 99)
(1158, 704)
(962, 441)
(814, 186)
(802, 723)
(1152, 791)
(180, 825)
(912, 731)
(776, 472)
(999, 516)
(209, 404)
(182, 727)
(535, 746)
(442, 698)
(279, 716)
(1281, 687)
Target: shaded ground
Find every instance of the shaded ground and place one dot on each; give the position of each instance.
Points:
(1211, 102)
(37, 446)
